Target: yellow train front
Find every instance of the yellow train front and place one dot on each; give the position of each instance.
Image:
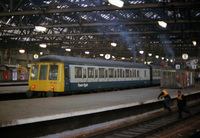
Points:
(46, 78)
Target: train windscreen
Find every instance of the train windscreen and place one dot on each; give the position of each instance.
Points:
(53, 72)
(34, 72)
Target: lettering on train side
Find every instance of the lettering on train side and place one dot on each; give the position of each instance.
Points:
(82, 84)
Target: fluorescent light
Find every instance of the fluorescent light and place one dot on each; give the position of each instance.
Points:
(40, 28)
(117, 3)
(43, 45)
(22, 51)
(194, 43)
(141, 52)
(123, 58)
(87, 52)
(68, 49)
(157, 56)
(101, 55)
(162, 24)
(113, 44)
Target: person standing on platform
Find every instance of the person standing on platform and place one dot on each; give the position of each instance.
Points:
(181, 104)
(164, 94)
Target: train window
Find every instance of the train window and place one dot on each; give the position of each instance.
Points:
(43, 72)
(127, 73)
(78, 72)
(101, 72)
(90, 72)
(158, 73)
(145, 73)
(134, 73)
(116, 73)
(96, 73)
(138, 73)
(66, 72)
(111, 73)
(106, 73)
(34, 72)
(53, 72)
(84, 72)
(121, 73)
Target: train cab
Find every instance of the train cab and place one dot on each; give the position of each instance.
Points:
(46, 78)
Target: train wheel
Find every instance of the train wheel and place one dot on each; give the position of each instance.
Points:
(29, 94)
(49, 94)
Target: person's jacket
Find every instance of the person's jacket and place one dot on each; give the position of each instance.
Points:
(164, 94)
(181, 100)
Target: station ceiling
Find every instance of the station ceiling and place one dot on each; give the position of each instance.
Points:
(91, 25)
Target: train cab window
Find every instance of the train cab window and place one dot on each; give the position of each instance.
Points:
(90, 72)
(53, 72)
(34, 72)
(101, 72)
(78, 72)
(111, 73)
(43, 72)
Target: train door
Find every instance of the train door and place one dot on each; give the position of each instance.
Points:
(67, 78)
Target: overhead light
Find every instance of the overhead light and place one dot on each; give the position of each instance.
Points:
(117, 3)
(43, 45)
(157, 56)
(21, 51)
(194, 43)
(113, 44)
(123, 58)
(41, 53)
(68, 49)
(87, 52)
(40, 28)
(35, 56)
(150, 54)
(101, 55)
(162, 58)
(171, 60)
(141, 52)
(107, 56)
(162, 24)
(185, 56)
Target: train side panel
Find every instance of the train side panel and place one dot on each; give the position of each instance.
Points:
(98, 77)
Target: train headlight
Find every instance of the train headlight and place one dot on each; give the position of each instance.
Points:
(33, 86)
(52, 87)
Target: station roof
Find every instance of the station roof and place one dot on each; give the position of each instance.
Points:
(91, 25)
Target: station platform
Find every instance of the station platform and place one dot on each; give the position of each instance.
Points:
(18, 112)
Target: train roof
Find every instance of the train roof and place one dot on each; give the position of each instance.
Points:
(161, 67)
(88, 61)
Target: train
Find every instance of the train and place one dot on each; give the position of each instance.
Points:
(53, 74)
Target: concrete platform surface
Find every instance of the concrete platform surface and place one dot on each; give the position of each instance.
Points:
(18, 112)
(13, 89)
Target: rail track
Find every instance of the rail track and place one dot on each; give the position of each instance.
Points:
(147, 127)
